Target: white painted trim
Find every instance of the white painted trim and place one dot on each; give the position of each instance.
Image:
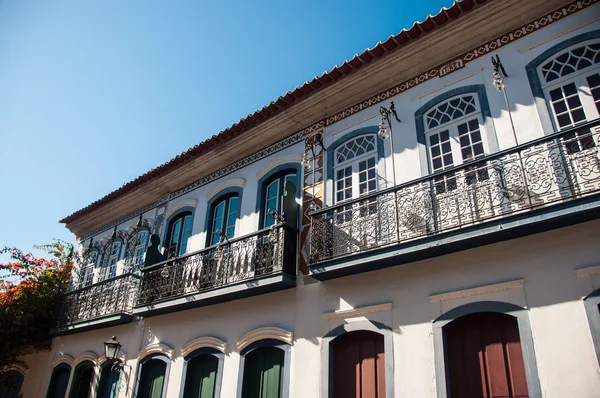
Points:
(103, 358)
(356, 312)
(158, 348)
(477, 291)
(203, 342)
(263, 333)
(278, 161)
(588, 271)
(559, 34)
(443, 86)
(86, 356)
(232, 182)
(23, 369)
(63, 359)
(180, 204)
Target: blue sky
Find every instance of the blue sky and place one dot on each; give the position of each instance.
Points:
(96, 93)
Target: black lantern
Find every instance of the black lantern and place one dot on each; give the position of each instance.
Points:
(111, 349)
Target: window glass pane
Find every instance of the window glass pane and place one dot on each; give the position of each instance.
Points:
(594, 85)
(355, 147)
(567, 105)
(232, 217)
(344, 184)
(187, 232)
(217, 222)
(470, 140)
(571, 61)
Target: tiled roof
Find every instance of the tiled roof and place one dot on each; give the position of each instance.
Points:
(289, 99)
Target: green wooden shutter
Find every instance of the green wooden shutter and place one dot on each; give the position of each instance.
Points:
(152, 379)
(109, 380)
(201, 376)
(263, 373)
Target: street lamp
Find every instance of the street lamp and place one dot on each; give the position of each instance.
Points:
(385, 131)
(111, 349)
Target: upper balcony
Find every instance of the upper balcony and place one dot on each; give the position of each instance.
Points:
(262, 262)
(543, 184)
(102, 304)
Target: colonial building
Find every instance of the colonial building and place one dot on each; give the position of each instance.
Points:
(421, 221)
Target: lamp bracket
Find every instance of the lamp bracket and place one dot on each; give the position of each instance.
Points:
(498, 67)
(385, 112)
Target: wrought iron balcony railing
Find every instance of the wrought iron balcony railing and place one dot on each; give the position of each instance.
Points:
(110, 297)
(553, 169)
(266, 252)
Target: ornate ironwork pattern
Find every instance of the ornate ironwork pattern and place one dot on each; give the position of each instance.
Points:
(247, 258)
(553, 169)
(109, 297)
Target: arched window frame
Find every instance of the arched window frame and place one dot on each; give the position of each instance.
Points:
(147, 358)
(76, 376)
(287, 350)
(57, 368)
(18, 377)
(380, 170)
(91, 260)
(527, 346)
(107, 366)
(110, 259)
(224, 196)
(181, 247)
(592, 310)
(488, 131)
(204, 351)
(538, 84)
(135, 252)
(328, 353)
(278, 174)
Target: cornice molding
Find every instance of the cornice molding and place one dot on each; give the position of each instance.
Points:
(180, 204)
(23, 369)
(477, 291)
(356, 312)
(278, 161)
(588, 271)
(65, 358)
(86, 356)
(231, 182)
(269, 332)
(158, 348)
(203, 342)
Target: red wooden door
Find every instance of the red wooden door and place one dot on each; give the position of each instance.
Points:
(359, 366)
(484, 357)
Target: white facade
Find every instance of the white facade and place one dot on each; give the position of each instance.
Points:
(546, 274)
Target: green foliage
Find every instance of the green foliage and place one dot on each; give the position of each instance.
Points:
(29, 297)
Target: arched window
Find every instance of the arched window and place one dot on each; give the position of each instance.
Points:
(355, 168)
(571, 86)
(484, 357)
(136, 250)
(203, 371)
(223, 210)
(82, 380)
(453, 131)
(110, 259)
(152, 381)
(109, 381)
(265, 370)
(359, 365)
(59, 381)
(10, 384)
(272, 191)
(179, 231)
(87, 273)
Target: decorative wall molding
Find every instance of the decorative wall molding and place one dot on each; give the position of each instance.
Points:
(447, 84)
(559, 34)
(103, 358)
(203, 342)
(65, 358)
(477, 291)
(231, 182)
(158, 348)
(278, 161)
(269, 332)
(86, 356)
(189, 202)
(442, 70)
(356, 312)
(588, 271)
(19, 368)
